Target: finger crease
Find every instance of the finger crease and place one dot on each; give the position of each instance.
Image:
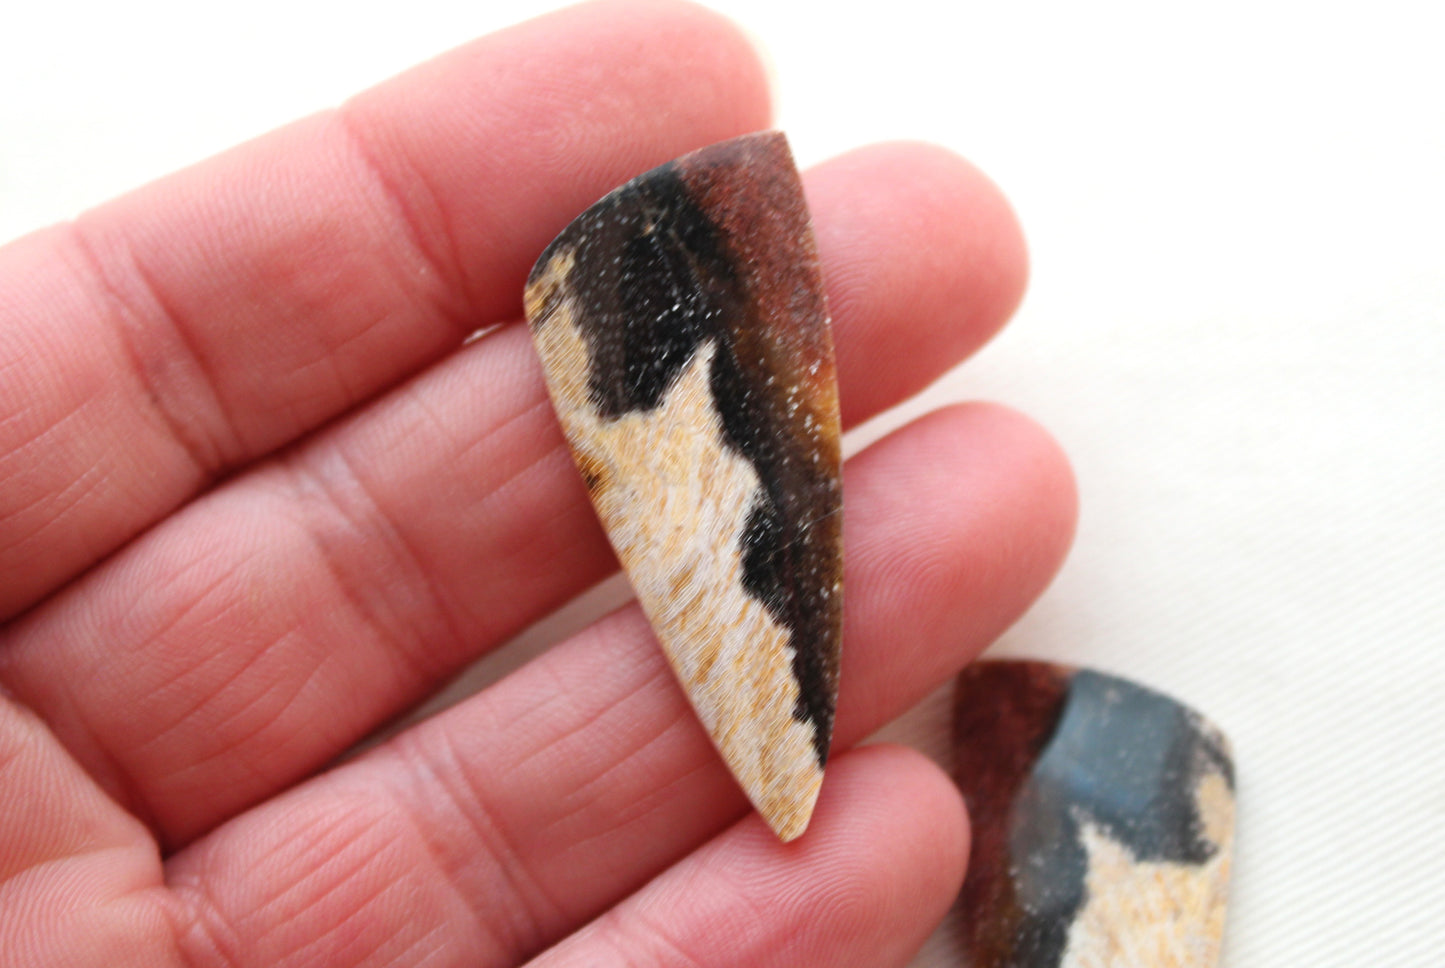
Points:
(533, 907)
(405, 640)
(406, 213)
(212, 444)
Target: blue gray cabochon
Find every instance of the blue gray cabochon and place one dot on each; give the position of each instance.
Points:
(1103, 820)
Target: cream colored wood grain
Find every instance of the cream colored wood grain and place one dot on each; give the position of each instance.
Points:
(675, 501)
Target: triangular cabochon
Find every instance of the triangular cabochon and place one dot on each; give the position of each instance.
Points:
(683, 331)
(1103, 822)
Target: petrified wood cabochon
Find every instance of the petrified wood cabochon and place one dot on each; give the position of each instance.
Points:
(1103, 819)
(684, 335)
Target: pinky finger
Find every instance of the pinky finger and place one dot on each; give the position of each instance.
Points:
(879, 866)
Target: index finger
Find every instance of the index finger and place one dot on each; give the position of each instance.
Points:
(209, 318)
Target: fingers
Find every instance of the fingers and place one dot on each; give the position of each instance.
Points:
(877, 869)
(286, 615)
(79, 878)
(539, 803)
(219, 313)
(881, 863)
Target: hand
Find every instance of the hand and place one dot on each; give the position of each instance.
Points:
(256, 499)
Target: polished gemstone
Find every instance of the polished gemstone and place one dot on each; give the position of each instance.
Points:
(1103, 819)
(682, 328)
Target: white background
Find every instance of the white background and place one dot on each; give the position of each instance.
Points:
(1236, 327)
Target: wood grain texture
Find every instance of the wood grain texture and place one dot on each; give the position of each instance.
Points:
(1103, 822)
(682, 328)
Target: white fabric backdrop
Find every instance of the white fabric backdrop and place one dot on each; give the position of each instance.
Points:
(1236, 326)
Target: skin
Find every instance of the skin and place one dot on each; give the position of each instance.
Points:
(256, 500)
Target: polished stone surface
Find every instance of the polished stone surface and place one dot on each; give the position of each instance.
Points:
(682, 328)
(1103, 820)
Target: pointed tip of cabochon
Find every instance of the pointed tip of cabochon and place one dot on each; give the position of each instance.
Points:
(684, 335)
(790, 815)
(1103, 816)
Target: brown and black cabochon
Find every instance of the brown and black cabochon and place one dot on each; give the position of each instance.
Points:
(683, 330)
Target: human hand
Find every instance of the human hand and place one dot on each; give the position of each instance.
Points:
(256, 500)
